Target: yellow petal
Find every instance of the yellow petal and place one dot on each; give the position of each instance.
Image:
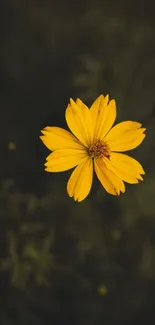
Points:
(79, 121)
(98, 107)
(111, 182)
(125, 167)
(80, 181)
(56, 138)
(106, 119)
(125, 136)
(64, 159)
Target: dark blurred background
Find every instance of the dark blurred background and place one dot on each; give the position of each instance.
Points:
(63, 262)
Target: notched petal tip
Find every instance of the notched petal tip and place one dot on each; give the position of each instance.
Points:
(78, 101)
(71, 102)
(42, 131)
(141, 172)
(100, 96)
(47, 169)
(143, 130)
(76, 199)
(117, 193)
(139, 125)
(112, 102)
(46, 128)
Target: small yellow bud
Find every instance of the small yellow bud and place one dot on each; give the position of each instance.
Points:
(11, 146)
(102, 290)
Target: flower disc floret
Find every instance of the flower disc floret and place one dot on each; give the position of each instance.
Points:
(99, 149)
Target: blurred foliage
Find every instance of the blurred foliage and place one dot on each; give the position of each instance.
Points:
(60, 261)
(28, 255)
(122, 61)
(101, 248)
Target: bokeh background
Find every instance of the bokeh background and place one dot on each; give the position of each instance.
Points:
(63, 262)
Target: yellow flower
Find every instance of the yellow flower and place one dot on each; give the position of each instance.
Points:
(11, 146)
(102, 290)
(93, 142)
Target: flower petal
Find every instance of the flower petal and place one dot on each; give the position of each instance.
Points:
(64, 159)
(56, 138)
(125, 136)
(79, 121)
(106, 119)
(98, 110)
(111, 182)
(96, 107)
(125, 167)
(80, 181)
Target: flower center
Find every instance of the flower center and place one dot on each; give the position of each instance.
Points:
(99, 149)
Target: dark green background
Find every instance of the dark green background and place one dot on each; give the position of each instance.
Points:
(63, 262)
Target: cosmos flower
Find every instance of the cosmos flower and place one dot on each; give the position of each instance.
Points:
(94, 144)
